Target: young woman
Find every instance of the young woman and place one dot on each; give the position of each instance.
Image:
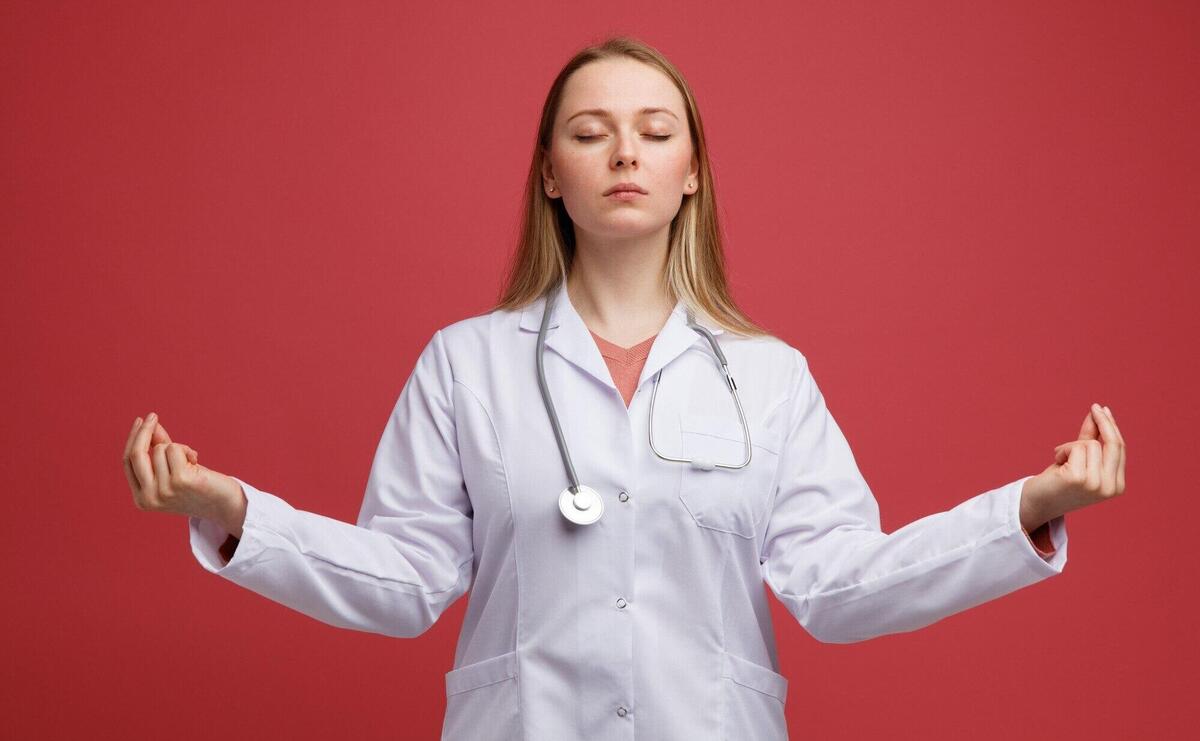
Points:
(613, 461)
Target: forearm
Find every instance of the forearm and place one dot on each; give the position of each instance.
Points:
(233, 515)
(342, 574)
(1035, 509)
(855, 583)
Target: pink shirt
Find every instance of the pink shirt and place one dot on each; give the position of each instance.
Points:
(625, 365)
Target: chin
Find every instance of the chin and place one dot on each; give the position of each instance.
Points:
(638, 226)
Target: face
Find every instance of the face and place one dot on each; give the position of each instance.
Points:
(592, 152)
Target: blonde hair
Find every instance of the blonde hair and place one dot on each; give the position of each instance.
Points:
(695, 262)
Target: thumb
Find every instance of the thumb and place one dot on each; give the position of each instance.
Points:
(1089, 430)
(160, 433)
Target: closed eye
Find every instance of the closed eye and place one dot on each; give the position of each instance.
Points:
(660, 137)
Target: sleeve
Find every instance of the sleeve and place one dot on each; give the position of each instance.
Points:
(409, 556)
(826, 559)
(1040, 538)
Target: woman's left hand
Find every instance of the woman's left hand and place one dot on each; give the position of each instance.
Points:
(1085, 471)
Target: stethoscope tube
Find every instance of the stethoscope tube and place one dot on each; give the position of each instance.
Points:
(558, 435)
(583, 505)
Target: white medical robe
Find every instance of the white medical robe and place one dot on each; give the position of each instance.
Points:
(651, 623)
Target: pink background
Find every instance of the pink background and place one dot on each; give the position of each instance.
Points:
(975, 219)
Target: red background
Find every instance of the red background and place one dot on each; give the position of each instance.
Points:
(975, 219)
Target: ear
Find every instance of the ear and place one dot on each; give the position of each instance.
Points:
(548, 175)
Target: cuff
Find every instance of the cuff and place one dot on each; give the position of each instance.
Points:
(1040, 540)
(1048, 542)
(265, 514)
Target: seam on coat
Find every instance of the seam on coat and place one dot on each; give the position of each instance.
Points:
(485, 684)
(499, 450)
(516, 558)
(913, 570)
(716, 436)
(420, 588)
(722, 690)
(290, 542)
(773, 408)
(248, 557)
(788, 422)
(760, 691)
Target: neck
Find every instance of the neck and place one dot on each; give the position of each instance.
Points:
(619, 287)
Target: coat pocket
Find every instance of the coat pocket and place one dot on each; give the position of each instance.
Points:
(482, 700)
(729, 500)
(753, 699)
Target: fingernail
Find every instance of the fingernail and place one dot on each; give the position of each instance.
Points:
(151, 417)
(1108, 410)
(1094, 406)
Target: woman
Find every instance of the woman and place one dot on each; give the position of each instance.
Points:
(615, 522)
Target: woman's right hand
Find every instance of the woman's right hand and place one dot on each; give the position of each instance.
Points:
(168, 478)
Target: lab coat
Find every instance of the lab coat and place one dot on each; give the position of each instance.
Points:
(651, 623)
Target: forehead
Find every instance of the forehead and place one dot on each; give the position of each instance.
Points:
(622, 86)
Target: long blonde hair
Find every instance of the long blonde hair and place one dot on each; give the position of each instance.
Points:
(696, 259)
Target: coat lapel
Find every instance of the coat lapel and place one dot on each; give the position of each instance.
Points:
(568, 336)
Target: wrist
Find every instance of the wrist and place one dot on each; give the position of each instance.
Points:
(233, 514)
(1035, 509)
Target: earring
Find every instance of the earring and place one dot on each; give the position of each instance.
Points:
(551, 188)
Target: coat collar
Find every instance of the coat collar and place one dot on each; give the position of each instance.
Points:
(568, 336)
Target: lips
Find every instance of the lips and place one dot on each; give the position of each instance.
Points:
(624, 187)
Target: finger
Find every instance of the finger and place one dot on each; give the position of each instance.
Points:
(1111, 454)
(1088, 430)
(132, 436)
(160, 434)
(1077, 462)
(193, 455)
(134, 485)
(162, 471)
(139, 456)
(1062, 452)
(176, 459)
(1113, 419)
(1095, 464)
(1121, 460)
(133, 482)
(1121, 472)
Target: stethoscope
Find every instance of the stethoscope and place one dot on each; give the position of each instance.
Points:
(581, 504)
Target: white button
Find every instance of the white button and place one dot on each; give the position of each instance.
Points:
(624, 497)
(622, 712)
(621, 602)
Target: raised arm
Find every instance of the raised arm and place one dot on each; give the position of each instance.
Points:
(410, 554)
(827, 560)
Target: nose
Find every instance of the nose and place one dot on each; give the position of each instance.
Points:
(625, 152)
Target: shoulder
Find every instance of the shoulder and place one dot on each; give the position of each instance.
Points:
(470, 343)
(782, 361)
(473, 328)
(766, 370)
(472, 333)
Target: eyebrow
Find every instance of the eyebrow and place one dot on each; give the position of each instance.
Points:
(606, 114)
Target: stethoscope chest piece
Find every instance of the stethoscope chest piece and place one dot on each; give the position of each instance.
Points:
(582, 508)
